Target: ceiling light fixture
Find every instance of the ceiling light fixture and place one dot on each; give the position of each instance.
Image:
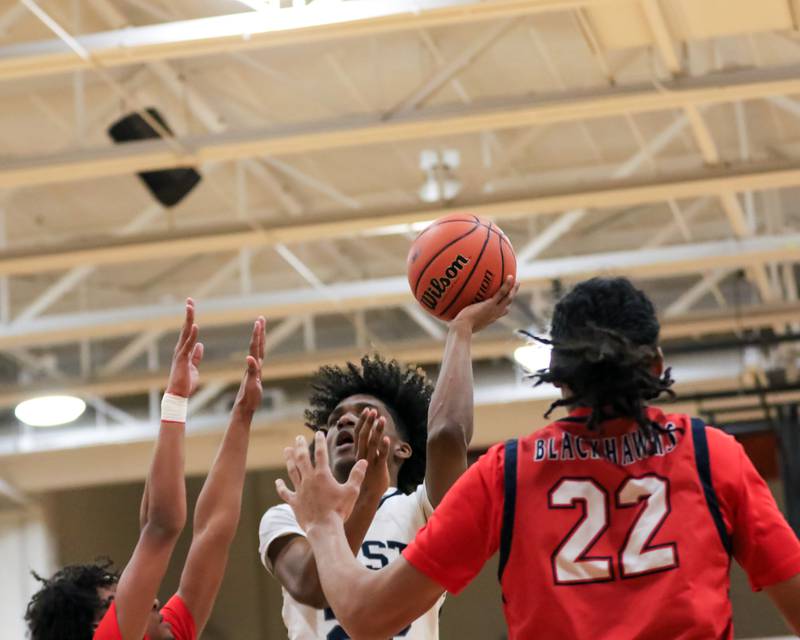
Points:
(533, 357)
(440, 185)
(50, 411)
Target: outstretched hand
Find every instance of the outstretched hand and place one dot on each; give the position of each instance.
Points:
(317, 495)
(481, 314)
(248, 399)
(373, 446)
(184, 374)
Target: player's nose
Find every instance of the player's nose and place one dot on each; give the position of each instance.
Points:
(347, 420)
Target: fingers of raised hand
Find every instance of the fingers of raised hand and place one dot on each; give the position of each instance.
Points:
(375, 439)
(284, 492)
(262, 337)
(383, 449)
(363, 428)
(291, 467)
(188, 321)
(252, 366)
(301, 456)
(254, 339)
(187, 347)
(505, 289)
(320, 452)
(197, 353)
(356, 477)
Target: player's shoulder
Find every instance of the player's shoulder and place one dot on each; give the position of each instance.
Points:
(279, 517)
(721, 445)
(395, 500)
(490, 465)
(278, 521)
(493, 459)
(718, 438)
(279, 511)
(724, 450)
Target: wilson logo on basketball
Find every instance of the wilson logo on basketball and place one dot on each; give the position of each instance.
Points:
(439, 286)
(484, 288)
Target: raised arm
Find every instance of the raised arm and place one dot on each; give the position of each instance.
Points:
(216, 515)
(291, 556)
(450, 414)
(374, 604)
(164, 507)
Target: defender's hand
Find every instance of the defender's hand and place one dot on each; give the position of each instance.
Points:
(317, 495)
(184, 374)
(248, 399)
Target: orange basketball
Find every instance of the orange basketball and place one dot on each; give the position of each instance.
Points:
(458, 260)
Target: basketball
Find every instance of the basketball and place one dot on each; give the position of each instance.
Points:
(459, 260)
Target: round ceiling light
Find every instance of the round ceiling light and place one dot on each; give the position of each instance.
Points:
(533, 357)
(50, 411)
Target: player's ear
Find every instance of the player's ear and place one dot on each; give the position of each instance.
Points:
(401, 450)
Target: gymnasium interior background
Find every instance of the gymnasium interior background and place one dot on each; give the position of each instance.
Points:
(653, 138)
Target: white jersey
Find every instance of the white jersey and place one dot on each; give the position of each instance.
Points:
(395, 524)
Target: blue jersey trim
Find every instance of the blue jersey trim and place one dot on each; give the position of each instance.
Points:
(703, 462)
(509, 503)
(391, 495)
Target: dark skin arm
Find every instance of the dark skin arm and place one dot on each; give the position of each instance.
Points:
(786, 596)
(164, 507)
(376, 604)
(219, 505)
(450, 415)
(292, 557)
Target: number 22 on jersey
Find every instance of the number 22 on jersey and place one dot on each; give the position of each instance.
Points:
(571, 561)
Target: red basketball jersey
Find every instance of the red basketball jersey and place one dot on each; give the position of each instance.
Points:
(611, 535)
(175, 612)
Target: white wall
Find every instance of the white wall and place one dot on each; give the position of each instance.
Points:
(25, 544)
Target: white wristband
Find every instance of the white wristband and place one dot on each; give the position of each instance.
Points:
(174, 408)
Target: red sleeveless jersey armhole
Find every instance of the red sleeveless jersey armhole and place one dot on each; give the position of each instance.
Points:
(180, 619)
(175, 612)
(108, 629)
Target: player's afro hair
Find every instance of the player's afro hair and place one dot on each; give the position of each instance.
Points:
(403, 389)
(66, 606)
(604, 335)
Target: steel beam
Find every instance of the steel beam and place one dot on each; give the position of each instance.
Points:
(548, 236)
(363, 130)
(302, 365)
(694, 294)
(616, 194)
(370, 294)
(254, 30)
(449, 70)
(661, 35)
(279, 367)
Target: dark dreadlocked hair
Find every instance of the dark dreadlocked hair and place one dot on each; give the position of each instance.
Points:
(404, 390)
(604, 335)
(66, 606)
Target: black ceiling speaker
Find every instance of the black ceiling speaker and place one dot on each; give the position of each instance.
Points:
(168, 186)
